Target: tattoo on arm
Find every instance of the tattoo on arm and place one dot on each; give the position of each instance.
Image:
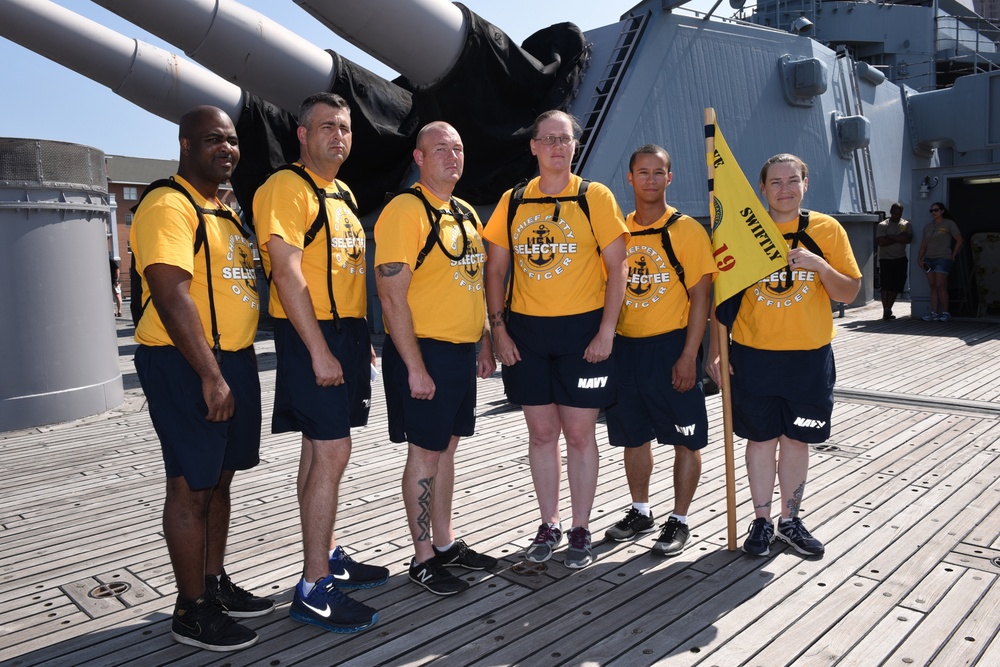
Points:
(496, 320)
(389, 270)
(424, 502)
(795, 501)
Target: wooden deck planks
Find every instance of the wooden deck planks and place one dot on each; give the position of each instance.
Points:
(905, 498)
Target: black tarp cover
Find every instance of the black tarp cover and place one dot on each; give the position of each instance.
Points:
(491, 96)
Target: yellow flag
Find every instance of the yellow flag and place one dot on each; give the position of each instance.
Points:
(746, 242)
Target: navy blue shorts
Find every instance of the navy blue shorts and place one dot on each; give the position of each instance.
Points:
(452, 412)
(648, 404)
(892, 274)
(783, 392)
(552, 368)
(192, 446)
(322, 413)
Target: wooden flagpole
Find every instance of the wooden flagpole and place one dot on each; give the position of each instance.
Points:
(721, 332)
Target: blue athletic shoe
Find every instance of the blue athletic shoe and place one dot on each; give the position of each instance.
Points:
(351, 574)
(327, 608)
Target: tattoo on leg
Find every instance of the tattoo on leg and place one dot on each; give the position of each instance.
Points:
(795, 501)
(762, 505)
(424, 502)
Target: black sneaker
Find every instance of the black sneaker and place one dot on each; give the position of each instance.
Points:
(431, 575)
(202, 624)
(351, 574)
(328, 608)
(634, 524)
(673, 538)
(759, 537)
(793, 532)
(235, 601)
(460, 555)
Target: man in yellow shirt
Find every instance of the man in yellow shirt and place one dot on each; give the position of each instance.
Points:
(197, 368)
(313, 247)
(429, 260)
(660, 329)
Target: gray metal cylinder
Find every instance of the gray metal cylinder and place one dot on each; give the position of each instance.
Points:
(58, 344)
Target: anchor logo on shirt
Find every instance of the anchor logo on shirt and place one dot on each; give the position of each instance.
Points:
(538, 258)
(637, 287)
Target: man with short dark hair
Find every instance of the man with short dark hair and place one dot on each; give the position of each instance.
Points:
(313, 248)
(892, 235)
(197, 368)
(429, 261)
(660, 330)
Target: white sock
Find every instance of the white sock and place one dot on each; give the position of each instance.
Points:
(642, 508)
(681, 519)
(446, 547)
(306, 586)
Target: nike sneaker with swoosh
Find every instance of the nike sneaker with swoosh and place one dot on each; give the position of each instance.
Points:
(202, 624)
(351, 574)
(328, 608)
(235, 601)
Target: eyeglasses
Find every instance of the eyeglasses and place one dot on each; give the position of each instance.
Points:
(549, 140)
(936, 210)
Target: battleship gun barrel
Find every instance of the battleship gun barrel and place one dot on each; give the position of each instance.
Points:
(156, 80)
(420, 39)
(237, 43)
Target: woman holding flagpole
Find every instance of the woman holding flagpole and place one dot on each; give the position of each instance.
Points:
(782, 361)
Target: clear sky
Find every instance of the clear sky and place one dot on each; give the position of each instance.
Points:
(44, 100)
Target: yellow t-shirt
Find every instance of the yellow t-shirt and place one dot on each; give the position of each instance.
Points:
(286, 206)
(775, 317)
(445, 296)
(656, 300)
(557, 269)
(163, 232)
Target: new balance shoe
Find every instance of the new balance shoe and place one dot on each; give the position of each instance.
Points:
(579, 553)
(931, 317)
(235, 601)
(945, 317)
(673, 538)
(547, 539)
(433, 576)
(634, 523)
(794, 533)
(351, 574)
(461, 555)
(202, 624)
(328, 608)
(759, 537)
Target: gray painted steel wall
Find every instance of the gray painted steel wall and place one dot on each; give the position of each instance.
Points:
(58, 345)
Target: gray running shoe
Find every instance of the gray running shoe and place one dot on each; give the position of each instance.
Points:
(634, 523)
(673, 538)
(579, 553)
(547, 539)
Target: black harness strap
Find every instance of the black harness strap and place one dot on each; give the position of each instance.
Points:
(516, 199)
(322, 221)
(200, 241)
(800, 236)
(668, 247)
(459, 212)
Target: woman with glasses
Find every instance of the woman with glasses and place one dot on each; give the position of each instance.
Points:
(553, 322)
(936, 256)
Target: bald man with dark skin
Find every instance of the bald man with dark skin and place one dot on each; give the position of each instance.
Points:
(176, 309)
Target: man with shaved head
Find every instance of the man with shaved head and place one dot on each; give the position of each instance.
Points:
(429, 259)
(196, 363)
